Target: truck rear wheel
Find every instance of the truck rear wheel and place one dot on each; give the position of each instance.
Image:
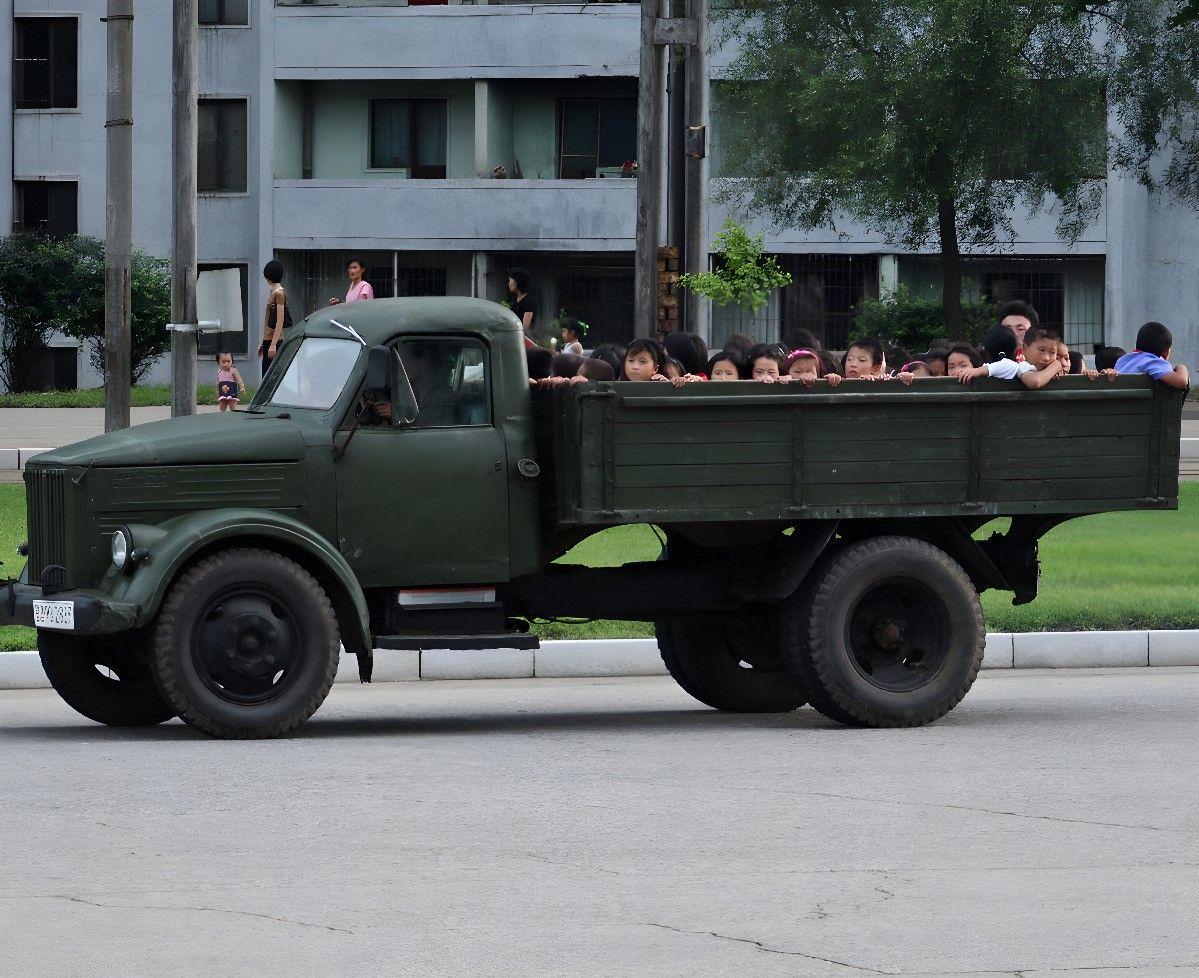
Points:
(104, 677)
(727, 667)
(247, 645)
(888, 633)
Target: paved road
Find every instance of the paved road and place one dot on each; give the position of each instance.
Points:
(610, 827)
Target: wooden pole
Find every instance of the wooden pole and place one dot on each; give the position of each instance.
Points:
(696, 308)
(649, 175)
(118, 225)
(184, 150)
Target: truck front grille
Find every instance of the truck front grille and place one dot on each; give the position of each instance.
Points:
(47, 489)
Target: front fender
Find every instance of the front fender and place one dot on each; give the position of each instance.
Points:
(173, 544)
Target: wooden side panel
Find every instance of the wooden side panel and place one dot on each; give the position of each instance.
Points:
(752, 452)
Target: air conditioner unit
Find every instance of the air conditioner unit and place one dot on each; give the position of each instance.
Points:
(607, 171)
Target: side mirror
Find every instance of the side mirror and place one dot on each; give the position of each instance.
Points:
(378, 372)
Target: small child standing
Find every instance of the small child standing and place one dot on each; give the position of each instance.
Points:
(229, 385)
(1152, 356)
(572, 333)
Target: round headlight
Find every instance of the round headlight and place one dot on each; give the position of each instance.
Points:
(121, 547)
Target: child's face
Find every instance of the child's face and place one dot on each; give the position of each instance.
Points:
(765, 367)
(958, 363)
(1063, 356)
(1042, 353)
(1018, 325)
(640, 366)
(226, 361)
(672, 371)
(920, 370)
(938, 368)
(804, 368)
(859, 363)
(725, 370)
(569, 336)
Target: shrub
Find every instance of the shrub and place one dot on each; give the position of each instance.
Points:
(742, 274)
(917, 324)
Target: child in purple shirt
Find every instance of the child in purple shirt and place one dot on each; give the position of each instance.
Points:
(1152, 357)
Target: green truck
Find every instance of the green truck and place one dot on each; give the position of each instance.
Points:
(397, 484)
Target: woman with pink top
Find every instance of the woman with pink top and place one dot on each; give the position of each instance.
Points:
(360, 289)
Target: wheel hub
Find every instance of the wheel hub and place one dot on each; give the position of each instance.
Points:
(897, 636)
(245, 645)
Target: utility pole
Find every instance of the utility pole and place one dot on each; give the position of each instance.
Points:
(696, 309)
(118, 225)
(184, 149)
(649, 174)
(677, 119)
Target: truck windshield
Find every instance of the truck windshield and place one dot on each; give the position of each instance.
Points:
(317, 374)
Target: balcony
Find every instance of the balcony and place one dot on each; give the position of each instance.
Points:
(455, 215)
(529, 40)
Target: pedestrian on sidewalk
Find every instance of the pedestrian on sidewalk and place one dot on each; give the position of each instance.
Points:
(278, 316)
(229, 385)
(360, 289)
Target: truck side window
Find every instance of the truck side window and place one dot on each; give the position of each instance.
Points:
(450, 379)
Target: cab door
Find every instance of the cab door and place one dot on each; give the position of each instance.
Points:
(426, 503)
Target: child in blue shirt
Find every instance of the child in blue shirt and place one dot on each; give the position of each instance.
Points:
(1152, 357)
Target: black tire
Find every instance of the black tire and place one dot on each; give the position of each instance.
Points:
(889, 632)
(247, 645)
(122, 695)
(728, 668)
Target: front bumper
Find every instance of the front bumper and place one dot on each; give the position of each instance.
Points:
(95, 613)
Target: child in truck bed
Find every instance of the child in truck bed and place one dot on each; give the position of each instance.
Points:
(864, 360)
(1152, 356)
(805, 366)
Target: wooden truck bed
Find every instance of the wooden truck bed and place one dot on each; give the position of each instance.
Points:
(629, 453)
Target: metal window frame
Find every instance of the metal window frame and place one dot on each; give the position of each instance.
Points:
(18, 21)
(412, 131)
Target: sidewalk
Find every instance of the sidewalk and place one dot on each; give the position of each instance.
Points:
(605, 659)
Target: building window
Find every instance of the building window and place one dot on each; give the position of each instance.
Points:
(597, 136)
(224, 13)
(826, 293)
(45, 62)
(222, 149)
(1044, 291)
(47, 206)
(409, 134)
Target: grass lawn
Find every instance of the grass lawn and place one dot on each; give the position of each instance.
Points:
(1118, 570)
(149, 395)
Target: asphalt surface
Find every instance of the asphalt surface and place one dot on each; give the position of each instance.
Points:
(613, 827)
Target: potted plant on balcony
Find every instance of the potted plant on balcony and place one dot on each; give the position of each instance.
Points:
(628, 168)
(499, 172)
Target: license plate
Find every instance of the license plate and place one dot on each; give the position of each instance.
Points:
(54, 614)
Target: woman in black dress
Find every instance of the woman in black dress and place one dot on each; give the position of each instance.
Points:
(520, 281)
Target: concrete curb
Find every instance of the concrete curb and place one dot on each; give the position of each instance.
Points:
(591, 659)
(14, 459)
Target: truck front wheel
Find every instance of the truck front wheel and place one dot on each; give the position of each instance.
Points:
(729, 667)
(888, 632)
(247, 645)
(104, 677)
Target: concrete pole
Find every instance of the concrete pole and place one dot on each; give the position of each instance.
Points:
(118, 230)
(676, 127)
(697, 308)
(649, 176)
(184, 149)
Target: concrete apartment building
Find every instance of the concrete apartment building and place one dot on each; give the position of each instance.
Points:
(371, 128)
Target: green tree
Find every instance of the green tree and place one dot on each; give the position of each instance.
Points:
(49, 283)
(917, 324)
(929, 121)
(741, 272)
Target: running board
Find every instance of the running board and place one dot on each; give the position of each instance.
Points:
(508, 640)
